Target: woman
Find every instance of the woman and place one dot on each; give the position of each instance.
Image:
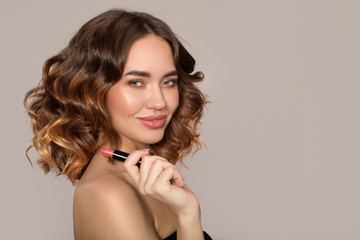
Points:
(125, 82)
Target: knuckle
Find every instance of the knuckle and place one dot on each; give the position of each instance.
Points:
(170, 168)
(163, 160)
(157, 188)
(158, 162)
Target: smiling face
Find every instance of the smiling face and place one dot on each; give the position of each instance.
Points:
(143, 101)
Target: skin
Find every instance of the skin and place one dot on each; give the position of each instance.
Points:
(119, 200)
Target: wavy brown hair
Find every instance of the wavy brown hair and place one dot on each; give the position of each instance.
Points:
(68, 111)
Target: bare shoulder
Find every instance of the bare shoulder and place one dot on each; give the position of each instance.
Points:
(109, 187)
(111, 208)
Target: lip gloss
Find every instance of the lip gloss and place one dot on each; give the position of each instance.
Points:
(117, 155)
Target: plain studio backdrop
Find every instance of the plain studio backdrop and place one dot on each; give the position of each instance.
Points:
(282, 130)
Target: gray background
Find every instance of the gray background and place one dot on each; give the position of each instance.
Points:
(282, 132)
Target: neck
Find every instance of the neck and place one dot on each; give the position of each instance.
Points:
(127, 146)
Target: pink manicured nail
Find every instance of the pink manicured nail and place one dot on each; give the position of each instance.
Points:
(146, 150)
(179, 183)
(182, 177)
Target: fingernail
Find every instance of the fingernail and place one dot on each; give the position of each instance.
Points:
(182, 177)
(146, 150)
(179, 183)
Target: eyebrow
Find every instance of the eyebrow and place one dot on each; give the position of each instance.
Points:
(147, 74)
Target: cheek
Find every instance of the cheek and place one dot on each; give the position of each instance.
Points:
(131, 101)
(173, 101)
(121, 103)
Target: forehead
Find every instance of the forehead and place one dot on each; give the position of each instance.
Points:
(150, 53)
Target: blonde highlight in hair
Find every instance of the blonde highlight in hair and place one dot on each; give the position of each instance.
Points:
(68, 110)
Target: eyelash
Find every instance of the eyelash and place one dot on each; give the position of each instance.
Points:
(173, 82)
(134, 83)
(166, 83)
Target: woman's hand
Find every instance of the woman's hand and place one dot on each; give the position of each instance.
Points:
(160, 180)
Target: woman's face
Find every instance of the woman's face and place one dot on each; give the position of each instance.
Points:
(143, 101)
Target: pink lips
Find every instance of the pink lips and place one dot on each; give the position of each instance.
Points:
(156, 121)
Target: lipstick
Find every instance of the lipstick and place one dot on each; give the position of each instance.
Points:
(117, 155)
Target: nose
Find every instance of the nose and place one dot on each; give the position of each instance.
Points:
(156, 98)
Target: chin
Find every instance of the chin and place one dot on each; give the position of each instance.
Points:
(153, 140)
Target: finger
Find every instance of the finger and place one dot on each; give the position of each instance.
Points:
(157, 168)
(145, 170)
(130, 164)
(169, 175)
(178, 177)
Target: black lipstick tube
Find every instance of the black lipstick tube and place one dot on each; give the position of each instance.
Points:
(121, 156)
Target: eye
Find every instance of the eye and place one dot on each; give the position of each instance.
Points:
(136, 83)
(170, 83)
